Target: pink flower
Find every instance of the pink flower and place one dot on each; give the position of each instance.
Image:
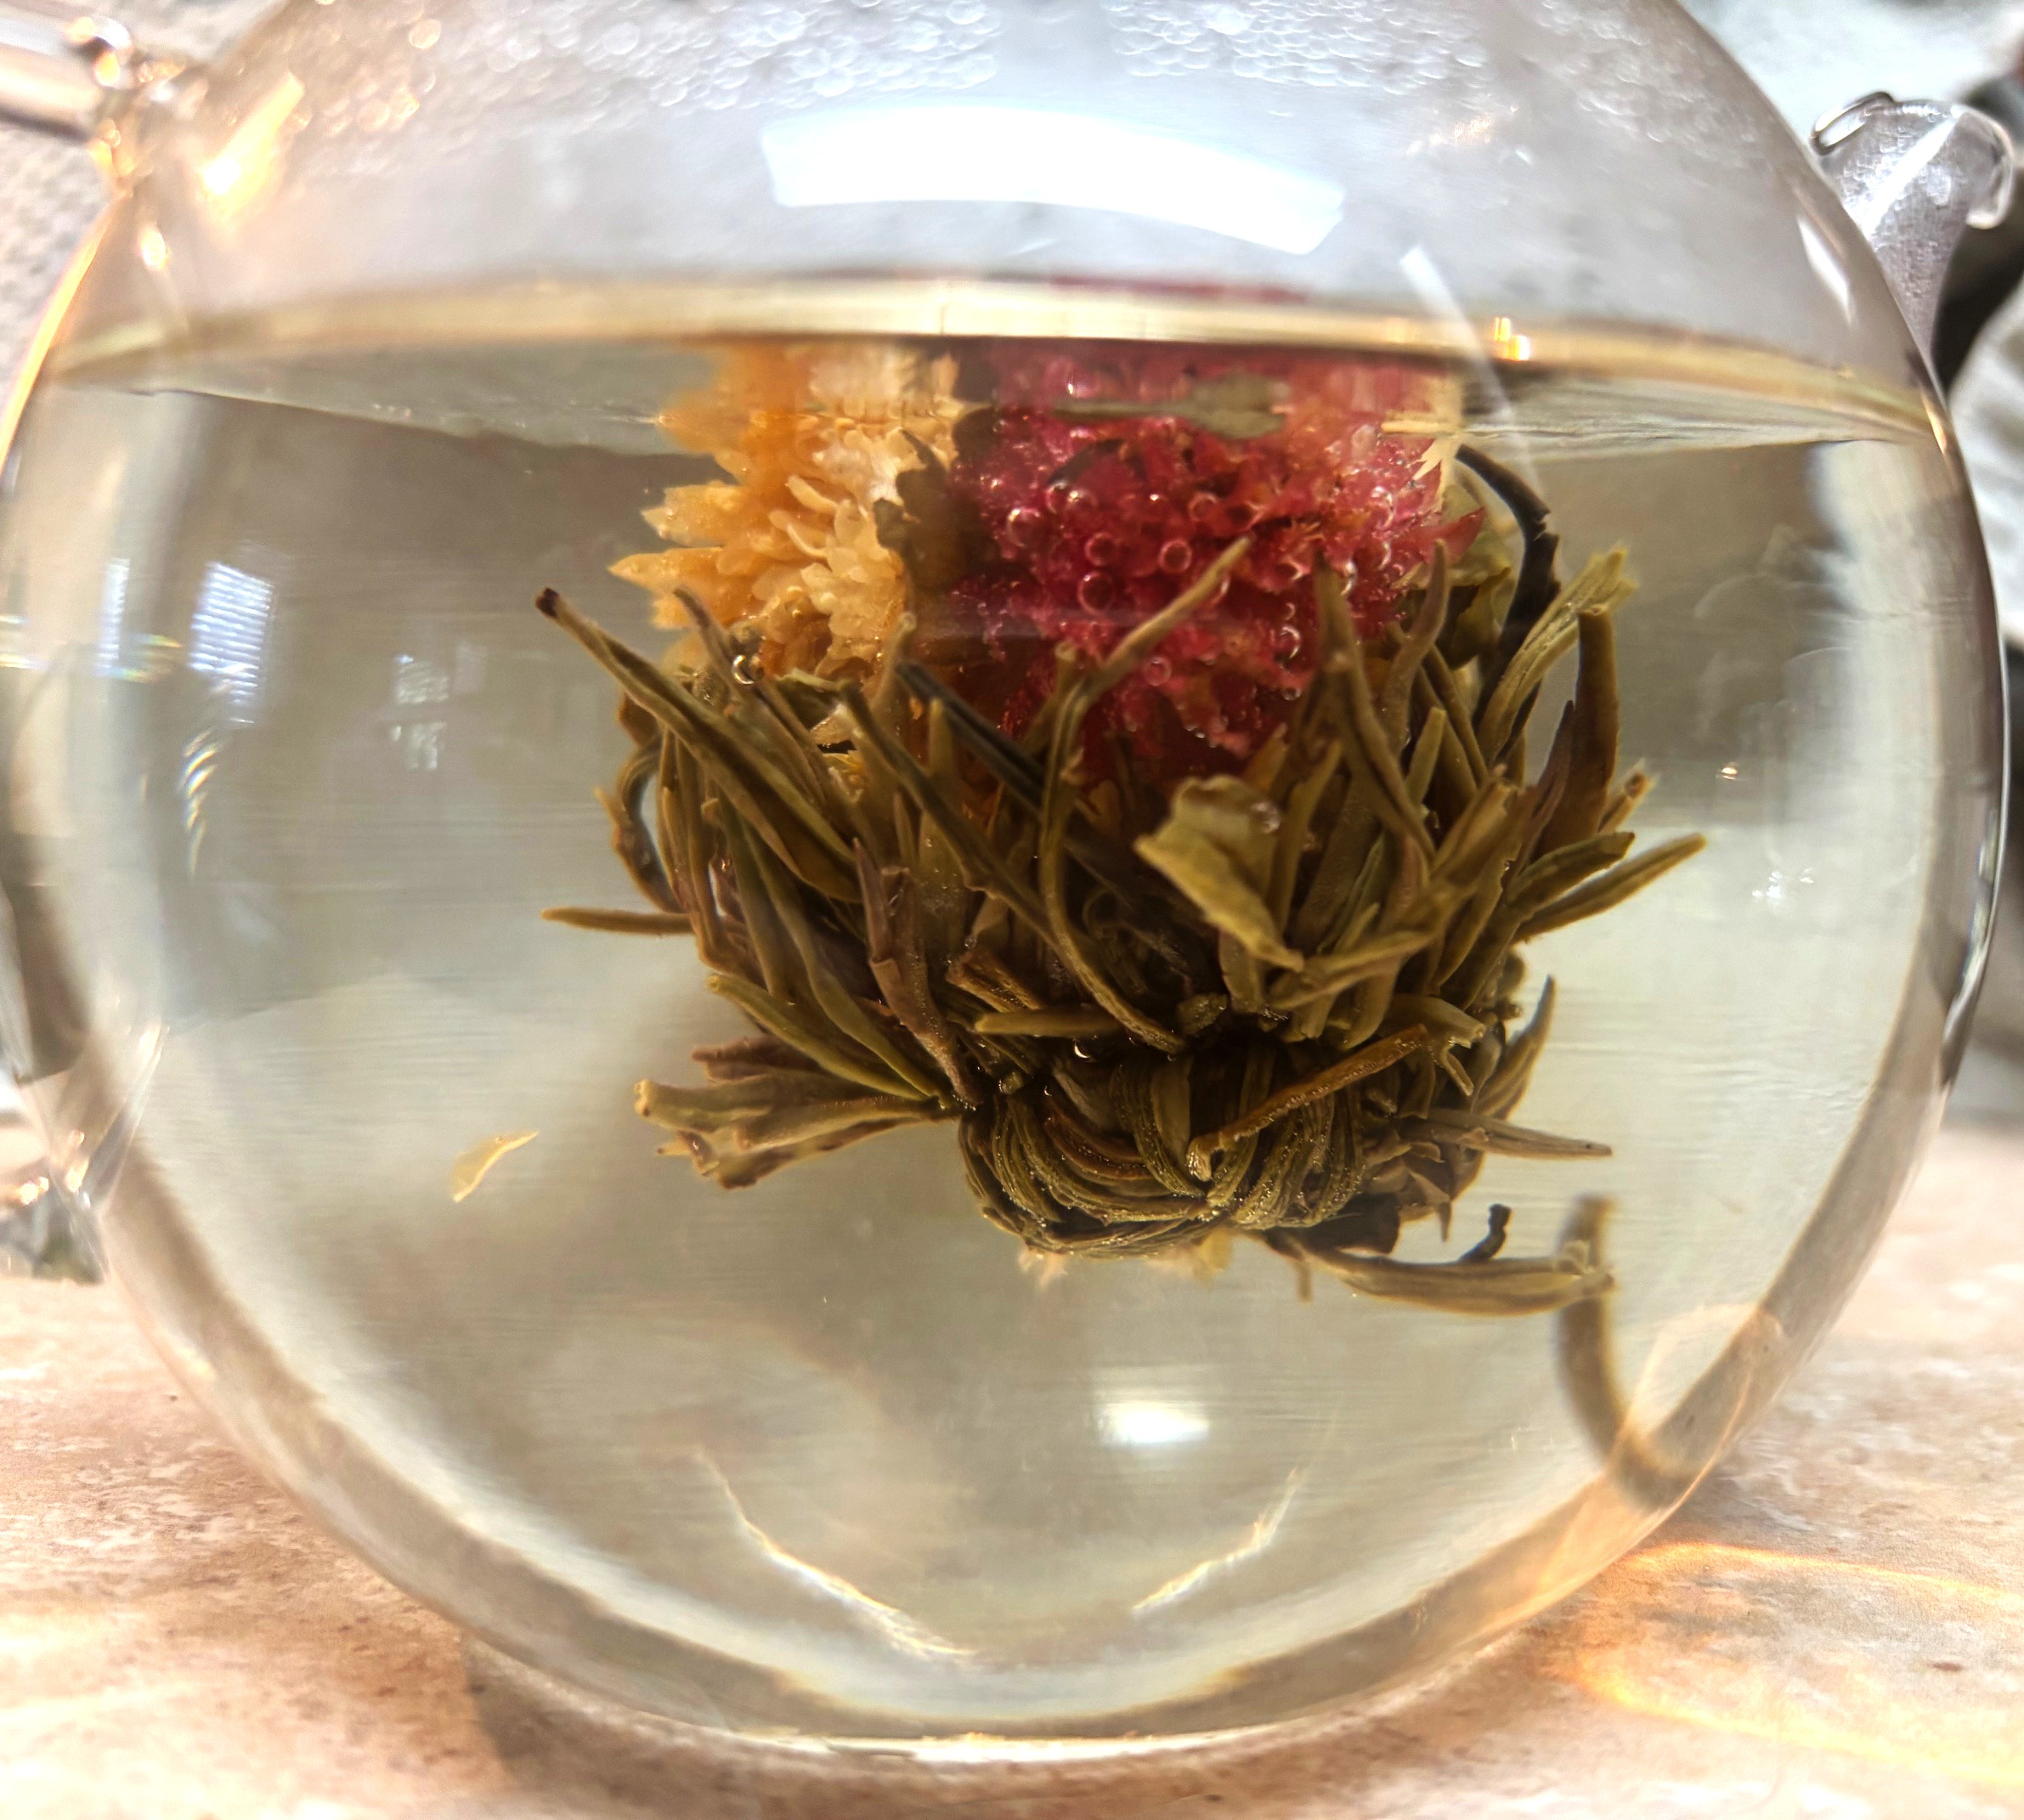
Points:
(1097, 520)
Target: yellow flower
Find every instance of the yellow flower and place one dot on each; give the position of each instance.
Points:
(814, 436)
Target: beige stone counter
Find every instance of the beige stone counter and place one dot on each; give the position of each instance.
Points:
(1833, 1629)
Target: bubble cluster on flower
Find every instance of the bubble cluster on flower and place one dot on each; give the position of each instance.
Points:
(1097, 522)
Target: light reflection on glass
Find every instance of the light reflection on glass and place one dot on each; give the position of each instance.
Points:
(978, 152)
(242, 166)
(228, 635)
(419, 680)
(1827, 265)
(1255, 1541)
(900, 1629)
(1144, 1424)
(201, 755)
(420, 683)
(16, 650)
(468, 677)
(112, 615)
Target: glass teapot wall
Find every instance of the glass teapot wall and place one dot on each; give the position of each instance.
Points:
(305, 773)
(1602, 162)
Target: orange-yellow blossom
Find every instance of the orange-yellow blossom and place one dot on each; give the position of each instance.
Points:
(813, 436)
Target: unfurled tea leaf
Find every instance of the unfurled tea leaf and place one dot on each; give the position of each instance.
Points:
(622, 922)
(1487, 1133)
(475, 1164)
(1613, 888)
(1217, 847)
(1501, 1287)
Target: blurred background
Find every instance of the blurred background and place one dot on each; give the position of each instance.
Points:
(1810, 56)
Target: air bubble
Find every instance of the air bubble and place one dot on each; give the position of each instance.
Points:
(1097, 593)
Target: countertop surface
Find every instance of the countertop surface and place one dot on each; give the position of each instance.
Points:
(1833, 1627)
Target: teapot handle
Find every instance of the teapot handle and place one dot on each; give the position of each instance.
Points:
(1914, 176)
(70, 74)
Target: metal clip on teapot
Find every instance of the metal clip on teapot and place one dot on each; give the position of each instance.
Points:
(1297, 717)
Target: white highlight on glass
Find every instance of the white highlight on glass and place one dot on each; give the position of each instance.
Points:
(227, 633)
(980, 152)
(1254, 1542)
(1826, 266)
(244, 163)
(112, 617)
(901, 1628)
(1135, 1424)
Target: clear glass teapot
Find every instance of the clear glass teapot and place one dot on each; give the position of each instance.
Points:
(1300, 766)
